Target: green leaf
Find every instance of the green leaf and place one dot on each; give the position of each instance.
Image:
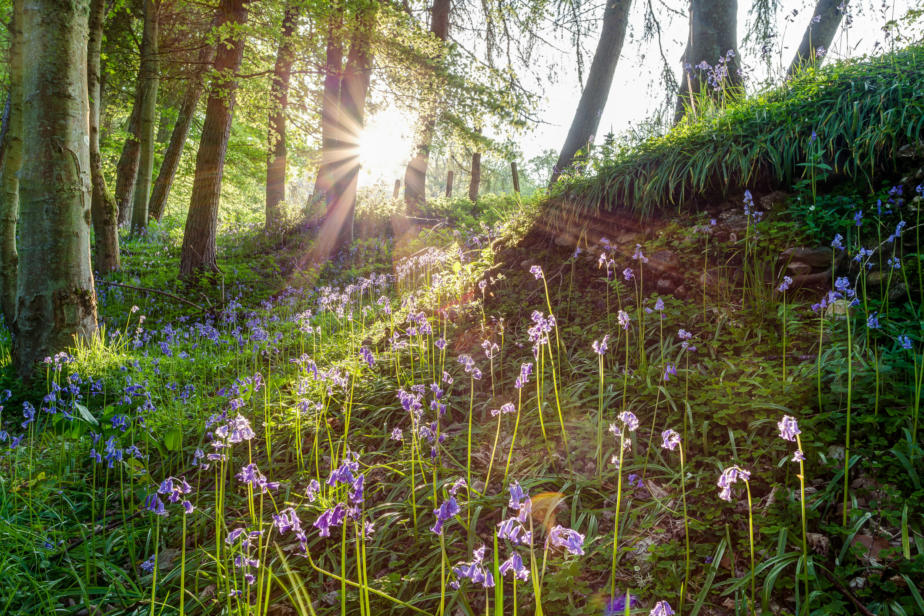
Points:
(173, 440)
(86, 415)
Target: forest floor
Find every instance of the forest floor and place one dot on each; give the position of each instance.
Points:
(347, 440)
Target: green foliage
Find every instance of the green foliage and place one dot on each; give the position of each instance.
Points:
(863, 113)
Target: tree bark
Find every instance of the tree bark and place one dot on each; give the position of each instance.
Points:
(415, 176)
(103, 206)
(818, 35)
(337, 230)
(713, 40)
(199, 249)
(150, 80)
(597, 89)
(10, 163)
(279, 99)
(56, 300)
(127, 167)
(475, 181)
(174, 151)
(330, 107)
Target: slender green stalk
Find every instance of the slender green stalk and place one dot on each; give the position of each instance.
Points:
(747, 486)
(849, 405)
(686, 531)
(622, 449)
(805, 554)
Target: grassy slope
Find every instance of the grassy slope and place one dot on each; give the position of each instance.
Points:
(863, 112)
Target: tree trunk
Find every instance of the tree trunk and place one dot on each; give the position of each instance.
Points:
(127, 167)
(818, 35)
(337, 230)
(710, 60)
(10, 163)
(56, 300)
(597, 89)
(415, 176)
(103, 206)
(475, 180)
(150, 80)
(199, 250)
(184, 118)
(330, 107)
(279, 99)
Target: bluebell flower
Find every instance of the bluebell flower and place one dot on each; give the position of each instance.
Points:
(148, 565)
(567, 538)
(475, 570)
(670, 439)
(623, 317)
(669, 370)
(872, 321)
(600, 347)
(789, 428)
(904, 341)
(661, 608)
(444, 513)
(617, 605)
(784, 286)
(728, 478)
(514, 564)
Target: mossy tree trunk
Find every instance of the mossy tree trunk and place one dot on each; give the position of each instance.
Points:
(174, 151)
(103, 206)
(818, 34)
(56, 301)
(127, 167)
(149, 75)
(415, 175)
(10, 162)
(337, 230)
(597, 89)
(199, 248)
(330, 106)
(279, 101)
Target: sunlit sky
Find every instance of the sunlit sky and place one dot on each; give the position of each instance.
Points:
(637, 91)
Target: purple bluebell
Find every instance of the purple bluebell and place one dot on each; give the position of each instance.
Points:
(669, 370)
(475, 570)
(567, 538)
(838, 242)
(662, 608)
(514, 564)
(148, 565)
(623, 317)
(638, 256)
(629, 420)
(525, 370)
(784, 286)
(156, 506)
(728, 478)
(536, 271)
(444, 513)
(789, 428)
(670, 439)
(617, 605)
(872, 321)
(600, 347)
(904, 341)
